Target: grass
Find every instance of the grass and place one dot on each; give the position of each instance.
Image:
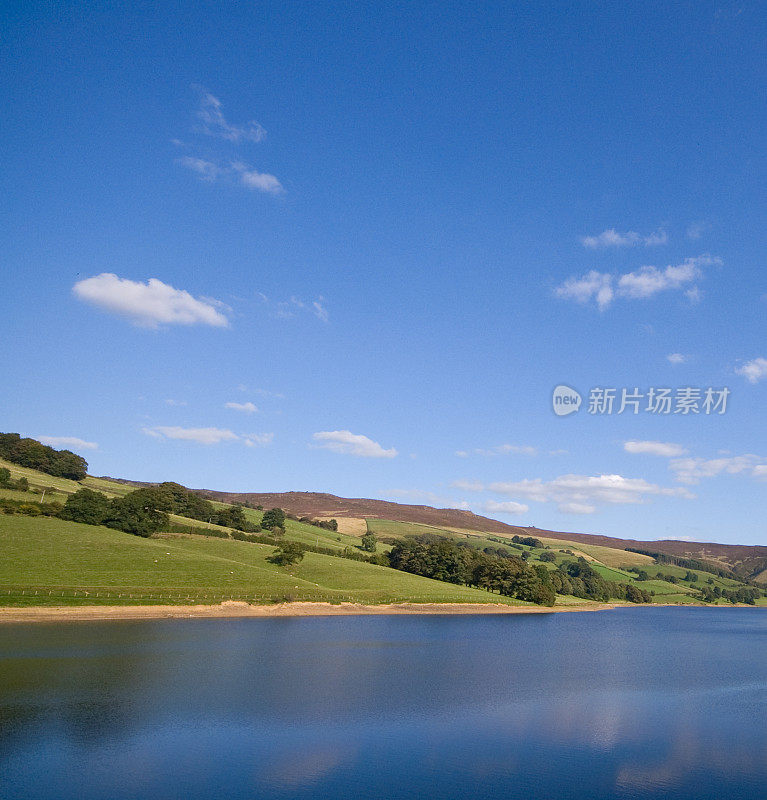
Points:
(55, 558)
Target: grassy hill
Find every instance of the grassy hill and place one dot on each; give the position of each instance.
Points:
(49, 560)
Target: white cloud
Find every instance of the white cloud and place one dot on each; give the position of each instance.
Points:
(148, 304)
(753, 371)
(505, 507)
(199, 435)
(693, 470)
(247, 408)
(67, 442)
(586, 491)
(664, 449)
(760, 471)
(319, 310)
(676, 358)
(215, 124)
(612, 238)
(695, 230)
(462, 453)
(596, 285)
(603, 288)
(207, 170)
(352, 444)
(260, 181)
(258, 439)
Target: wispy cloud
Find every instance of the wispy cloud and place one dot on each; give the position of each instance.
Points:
(198, 435)
(214, 123)
(664, 449)
(647, 281)
(227, 164)
(171, 402)
(149, 304)
(753, 371)
(258, 439)
(352, 444)
(288, 309)
(247, 408)
(581, 494)
(505, 507)
(208, 436)
(67, 442)
(613, 238)
(507, 449)
(693, 470)
(676, 358)
(695, 230)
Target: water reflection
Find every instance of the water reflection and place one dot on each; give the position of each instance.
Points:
(639, 703)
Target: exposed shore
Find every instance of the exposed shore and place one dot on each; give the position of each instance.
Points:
(232, 609)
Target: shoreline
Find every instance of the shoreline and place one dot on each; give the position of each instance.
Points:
(236, 609)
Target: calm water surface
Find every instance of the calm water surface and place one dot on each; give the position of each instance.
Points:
(636, 703)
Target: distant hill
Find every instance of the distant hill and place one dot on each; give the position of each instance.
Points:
(747, 560)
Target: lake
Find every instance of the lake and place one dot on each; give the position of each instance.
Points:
(632, 703)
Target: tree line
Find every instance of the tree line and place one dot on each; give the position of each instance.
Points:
(34, 455)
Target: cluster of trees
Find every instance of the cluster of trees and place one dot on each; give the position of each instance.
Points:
(8, 506)
(325, 524)
(528, 541)
(369, 542)
(685, 563)
(274, 520)
(6, 482)
(141, 512)
(34, 455)
(506, 573)
(186, 503)
(742, 594)
(457, 562)
(580, 579)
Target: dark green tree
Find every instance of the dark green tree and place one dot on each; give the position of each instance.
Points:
(369, 542)
(87, 506)
(274, 518)
(287, 554)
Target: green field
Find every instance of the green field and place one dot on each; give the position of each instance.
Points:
(45, 561)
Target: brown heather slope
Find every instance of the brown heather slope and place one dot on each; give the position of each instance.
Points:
(747, 560)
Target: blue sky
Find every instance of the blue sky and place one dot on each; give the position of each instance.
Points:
(354, 247)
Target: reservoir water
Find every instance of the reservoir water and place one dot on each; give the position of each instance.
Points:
(633, 703)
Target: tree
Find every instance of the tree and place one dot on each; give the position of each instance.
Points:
(548, 556)
(86, 506)
(5, 476)
(287, 554)
(369, 542)
(274, 518)
(142, 512)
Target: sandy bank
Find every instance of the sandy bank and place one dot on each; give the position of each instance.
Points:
(238, 609)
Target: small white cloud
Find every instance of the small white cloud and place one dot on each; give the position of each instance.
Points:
(352, 444)
(247, 408)
(258, 439)
(695, 230)
(67, 442)
(148, 304)
(664, 449)
(260, 181)
(462, 453)
(505, 507)
(753, 371)
(207, 170)
(319, 310)
(199, 435)
(596, 285)
(577, 508)
(171, 402)
(215, 124)
(676, 358)
(612, 238)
